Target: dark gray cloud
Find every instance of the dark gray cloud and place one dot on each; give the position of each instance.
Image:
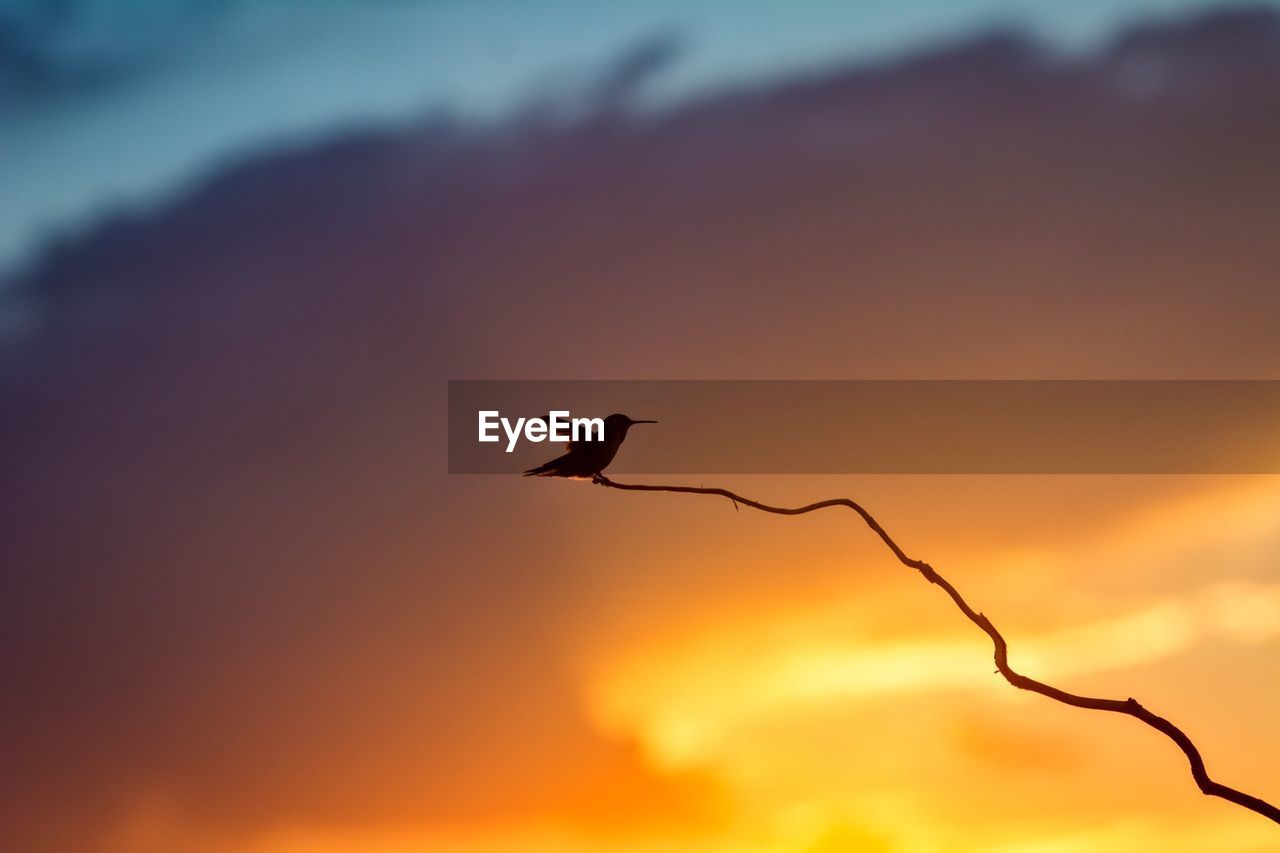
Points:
(224, 510)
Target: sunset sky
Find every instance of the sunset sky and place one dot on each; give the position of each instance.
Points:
(244, 608)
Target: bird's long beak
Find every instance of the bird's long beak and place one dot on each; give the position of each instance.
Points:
(644, 422)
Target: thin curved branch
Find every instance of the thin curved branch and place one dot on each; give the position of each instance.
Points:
(1130, 707)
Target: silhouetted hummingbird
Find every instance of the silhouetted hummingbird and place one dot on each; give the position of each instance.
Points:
(589, 458)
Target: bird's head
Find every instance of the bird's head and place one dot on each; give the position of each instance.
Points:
(619, 424)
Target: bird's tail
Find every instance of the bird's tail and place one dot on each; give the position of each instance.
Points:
(543, 470)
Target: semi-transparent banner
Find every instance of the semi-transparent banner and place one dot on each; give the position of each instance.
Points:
(881, 426)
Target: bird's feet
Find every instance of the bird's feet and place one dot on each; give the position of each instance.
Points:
(599, 479)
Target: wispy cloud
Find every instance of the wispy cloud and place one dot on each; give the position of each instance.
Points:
(686, 699)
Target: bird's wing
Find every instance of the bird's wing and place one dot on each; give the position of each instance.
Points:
(549, 469)
(568, 445)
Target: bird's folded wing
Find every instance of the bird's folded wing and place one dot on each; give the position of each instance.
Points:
(568, 445)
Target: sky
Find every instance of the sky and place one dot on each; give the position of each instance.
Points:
(112, 107)
(244, 608)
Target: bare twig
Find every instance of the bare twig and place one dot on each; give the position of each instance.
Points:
(1130, 707)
